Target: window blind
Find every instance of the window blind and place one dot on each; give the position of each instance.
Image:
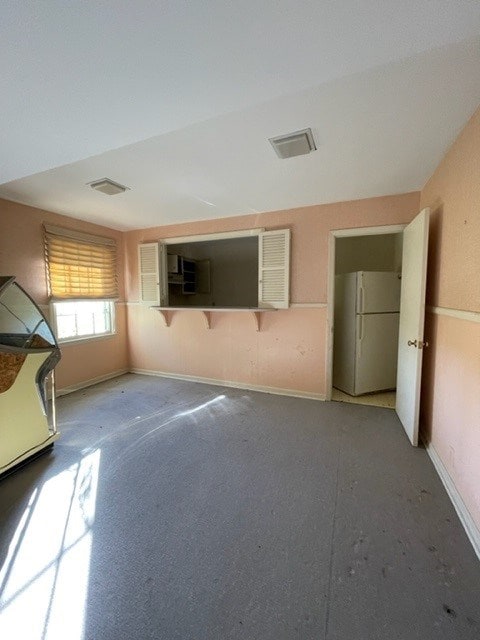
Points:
(80, 265)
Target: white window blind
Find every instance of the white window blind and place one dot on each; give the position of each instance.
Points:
(274, 269)
(80, 265)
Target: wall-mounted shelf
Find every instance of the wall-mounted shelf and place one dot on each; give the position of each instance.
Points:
(256, 312)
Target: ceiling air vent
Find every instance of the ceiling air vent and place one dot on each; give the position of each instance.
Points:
(293, 144)
(105, 185)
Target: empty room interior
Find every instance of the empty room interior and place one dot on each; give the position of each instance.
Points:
(240, 320)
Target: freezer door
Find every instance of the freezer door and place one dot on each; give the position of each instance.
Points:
(378, 292)
(376, 352)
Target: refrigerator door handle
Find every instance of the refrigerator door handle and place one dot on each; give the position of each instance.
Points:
(361, 299)
(359, 334)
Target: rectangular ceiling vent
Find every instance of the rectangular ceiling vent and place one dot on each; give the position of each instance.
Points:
(105, 185)
(293, 144)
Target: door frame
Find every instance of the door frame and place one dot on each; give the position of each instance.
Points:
(332, 237)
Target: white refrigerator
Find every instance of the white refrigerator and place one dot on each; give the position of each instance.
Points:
(367, 305)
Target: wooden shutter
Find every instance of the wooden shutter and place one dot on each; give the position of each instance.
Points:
(80, 265)
(149, 273)
(274, 269)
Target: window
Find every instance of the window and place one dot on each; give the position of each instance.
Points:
(248, 270)
(82, 281)
(83, 319)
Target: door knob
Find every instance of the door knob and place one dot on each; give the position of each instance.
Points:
(420, 344)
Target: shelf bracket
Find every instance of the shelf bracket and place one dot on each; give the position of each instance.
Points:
(167, 314)
(167, 319)
(208, 319)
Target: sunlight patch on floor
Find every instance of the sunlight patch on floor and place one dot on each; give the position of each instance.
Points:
(44, 578)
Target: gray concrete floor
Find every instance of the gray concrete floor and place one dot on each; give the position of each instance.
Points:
(183, 511)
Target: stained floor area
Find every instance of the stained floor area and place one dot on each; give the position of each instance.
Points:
(173, 510)
(380, 399)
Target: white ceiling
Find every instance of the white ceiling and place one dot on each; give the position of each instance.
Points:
(177, 101)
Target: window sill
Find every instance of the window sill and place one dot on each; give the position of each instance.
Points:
(103, 336)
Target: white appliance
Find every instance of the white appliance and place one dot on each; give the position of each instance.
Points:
(174, 263)
(367, 305)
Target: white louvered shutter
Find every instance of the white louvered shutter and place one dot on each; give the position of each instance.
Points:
(274, 269)
(149, 273)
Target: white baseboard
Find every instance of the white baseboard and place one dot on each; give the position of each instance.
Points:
(471, 529)
(88, 383)
(230, 383)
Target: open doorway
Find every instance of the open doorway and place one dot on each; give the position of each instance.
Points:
(364, 305)
(411, 332)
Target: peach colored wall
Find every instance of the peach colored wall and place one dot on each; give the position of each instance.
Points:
(310, 228)
(21, 255)
(83, 361)
(289, 351)
(450, 410)
(453, 194)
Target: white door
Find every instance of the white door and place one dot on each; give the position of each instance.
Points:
(412, 317)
